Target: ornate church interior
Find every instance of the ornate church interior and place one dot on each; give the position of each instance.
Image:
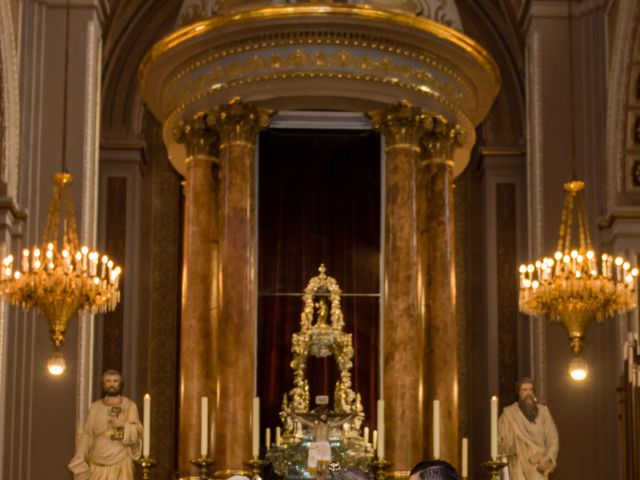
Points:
(295, 222)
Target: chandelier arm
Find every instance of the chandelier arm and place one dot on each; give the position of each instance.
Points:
(71, 231)
(586, 230)
(563, 226)
(53, 218)
(569, 224)
(585, 241)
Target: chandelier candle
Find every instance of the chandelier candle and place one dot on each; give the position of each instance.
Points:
(365, 435)
(374, 440)
(267, 439)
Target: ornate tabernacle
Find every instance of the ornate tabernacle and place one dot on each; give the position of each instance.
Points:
(321, 335)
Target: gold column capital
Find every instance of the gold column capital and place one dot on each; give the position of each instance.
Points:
(198, 135)
(440, 139)
(402, 125)
(239, 122)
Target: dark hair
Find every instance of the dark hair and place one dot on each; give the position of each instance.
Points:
(524, 381)
(435, 470)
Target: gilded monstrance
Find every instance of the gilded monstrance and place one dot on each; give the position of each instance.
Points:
(321, 335)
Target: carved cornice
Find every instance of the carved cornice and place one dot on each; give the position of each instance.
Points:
(402, 125)
(198, 134)
(440, 139)
(238, 122)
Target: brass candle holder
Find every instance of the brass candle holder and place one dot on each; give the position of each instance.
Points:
(146, 464)
(380, 468)
(203, 463)
(494, 467)
(256, 464)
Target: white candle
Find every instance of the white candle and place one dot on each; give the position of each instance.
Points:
(374, 441)
(465, 457)
(146, 424)
(204, 427)
(436, 429)
(255, 450)
(380, 450)
(365, 435)
(267, 439)
(494, 427)
(278, 436)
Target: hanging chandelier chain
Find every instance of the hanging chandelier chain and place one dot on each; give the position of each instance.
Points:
(65, 94)
(572, 133)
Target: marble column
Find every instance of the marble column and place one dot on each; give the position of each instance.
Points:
(198, 322)
(402, 126)
(238, 124)
(436, 244)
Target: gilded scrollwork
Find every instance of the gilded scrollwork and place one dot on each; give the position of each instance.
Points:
(441, 138)
(399, 68)
(406, 126)
(198, 135)
(238, 122)
(402, 124)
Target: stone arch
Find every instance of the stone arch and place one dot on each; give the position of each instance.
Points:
(133, 30)
(499, 34)
(9, 103)
(623, 104)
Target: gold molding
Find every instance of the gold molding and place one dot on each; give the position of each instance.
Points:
(326, 37)
(319, 74)
(198, 135)
(398, 474)
(608, 221)
(321, 11)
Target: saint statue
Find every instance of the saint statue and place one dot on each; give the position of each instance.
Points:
(528, 436)
(321, 420)
(112, 435)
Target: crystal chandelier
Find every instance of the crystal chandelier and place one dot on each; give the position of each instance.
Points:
(58, 278)
(574, 286)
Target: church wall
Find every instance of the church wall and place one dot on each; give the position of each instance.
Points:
(40, 414)
(586, 414)
(133, 154)
(42, 411)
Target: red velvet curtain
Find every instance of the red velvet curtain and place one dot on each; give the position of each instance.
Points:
(319, 202)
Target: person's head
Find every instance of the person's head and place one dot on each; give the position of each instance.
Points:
(434, 470)
(525, 387)
(527, 400)
(112, 383)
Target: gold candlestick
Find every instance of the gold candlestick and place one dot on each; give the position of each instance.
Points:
(203, 464)
(256, 465)
(380, 468)
(494, 466)
(146, 463)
